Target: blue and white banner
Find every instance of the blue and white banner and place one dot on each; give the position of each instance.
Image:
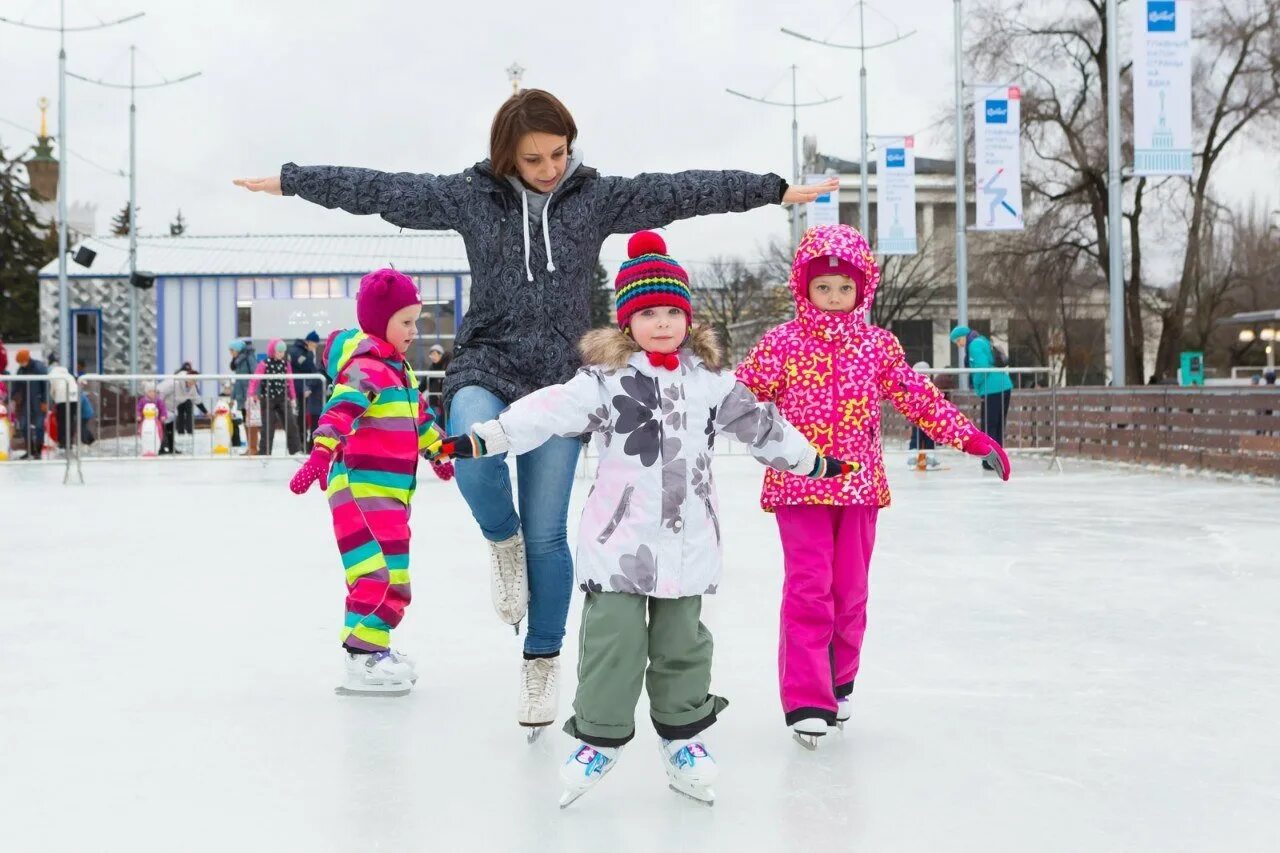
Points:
(896, 195)
(1161, 87)
(825, 210)
(997, 157)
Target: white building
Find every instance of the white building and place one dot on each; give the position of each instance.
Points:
(208, 291)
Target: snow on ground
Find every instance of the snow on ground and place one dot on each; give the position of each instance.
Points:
(1076, 661)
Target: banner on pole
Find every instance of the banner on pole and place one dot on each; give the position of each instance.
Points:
(1162, 87)
(825, 209)
(896, 195)
(997, 159)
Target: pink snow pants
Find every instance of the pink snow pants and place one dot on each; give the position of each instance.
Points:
(827, 552)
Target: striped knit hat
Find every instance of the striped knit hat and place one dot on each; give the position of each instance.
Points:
(650, 279)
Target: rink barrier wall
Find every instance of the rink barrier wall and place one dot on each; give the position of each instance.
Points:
(114, 424)
(1231, 430)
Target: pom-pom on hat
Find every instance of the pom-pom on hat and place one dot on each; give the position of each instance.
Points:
(382, 293)
(651, 279)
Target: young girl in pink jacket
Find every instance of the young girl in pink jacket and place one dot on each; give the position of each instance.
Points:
(827, 371)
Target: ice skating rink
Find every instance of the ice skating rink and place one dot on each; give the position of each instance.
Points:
(1086, 661)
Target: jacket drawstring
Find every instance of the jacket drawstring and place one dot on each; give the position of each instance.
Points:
(525, 218)
(546, 235)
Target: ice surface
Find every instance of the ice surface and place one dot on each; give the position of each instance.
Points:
(1067, 662)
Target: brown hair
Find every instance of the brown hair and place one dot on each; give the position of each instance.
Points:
(529, 111)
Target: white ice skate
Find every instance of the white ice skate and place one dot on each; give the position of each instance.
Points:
(690, 769)
(807, 731)
(509, 580)
(586, 766)
(539, 694)
(844, 711)
(380, 674)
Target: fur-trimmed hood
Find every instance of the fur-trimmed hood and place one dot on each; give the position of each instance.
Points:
(613, 348)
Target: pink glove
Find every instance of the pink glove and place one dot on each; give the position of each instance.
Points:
(443, 470)
(315, 468)
(981, 444)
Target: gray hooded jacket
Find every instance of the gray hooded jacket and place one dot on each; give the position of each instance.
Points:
(530, 274)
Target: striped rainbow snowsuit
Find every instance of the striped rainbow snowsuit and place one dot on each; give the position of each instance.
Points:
(377, 425)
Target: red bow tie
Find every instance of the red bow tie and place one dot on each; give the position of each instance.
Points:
(669, 360)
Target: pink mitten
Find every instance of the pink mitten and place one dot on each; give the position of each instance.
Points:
(315, 468)
(981, 444)
(443, 470)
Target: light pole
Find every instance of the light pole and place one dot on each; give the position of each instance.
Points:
(133, 185)
(796, 178)
(64, 324)
(962, 248)
(862, 47)
(1115, 236)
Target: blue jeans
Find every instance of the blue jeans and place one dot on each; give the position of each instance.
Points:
(546, 480)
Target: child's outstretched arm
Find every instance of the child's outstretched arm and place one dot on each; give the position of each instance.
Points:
(402, 198)
(772, 439)
(652, 200)
(920, 402)
(575, 408)
(349, 400)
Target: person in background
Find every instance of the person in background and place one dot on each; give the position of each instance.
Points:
(921, 441)
(86, 414)
(242, 362)
(994, 389)
(30, 403)
(434, 385)
(275, 409)
(64, 393)
(187, 400)
(309, 393)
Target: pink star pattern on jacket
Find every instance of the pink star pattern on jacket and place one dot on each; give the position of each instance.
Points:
(827, 373)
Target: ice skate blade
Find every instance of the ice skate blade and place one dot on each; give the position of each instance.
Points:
(343, 690)
(704, 796)
(568, 798)
(534, 732)
(809, 742)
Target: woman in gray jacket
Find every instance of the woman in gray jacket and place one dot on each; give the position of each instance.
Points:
(533, 218)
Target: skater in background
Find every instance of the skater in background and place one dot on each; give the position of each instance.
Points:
(30, 403)
(827, 370)
(271, 377)
(308, 393)
(242, 362)
(151, 394)
(433, 386)
(64, 393)
(993, 389)
(649, 544)
(924, 458)
(533, 217)
(371, 433)
(187, 400)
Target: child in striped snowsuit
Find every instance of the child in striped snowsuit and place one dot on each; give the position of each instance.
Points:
(370, 434)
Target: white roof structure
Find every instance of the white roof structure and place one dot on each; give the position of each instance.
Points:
(272, 255)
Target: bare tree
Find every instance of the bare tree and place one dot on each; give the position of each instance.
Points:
(739, 300)
(1058, 52)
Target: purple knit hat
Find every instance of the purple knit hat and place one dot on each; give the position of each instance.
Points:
(382, 293)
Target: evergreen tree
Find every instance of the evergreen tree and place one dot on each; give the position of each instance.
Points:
(178, 227)
(601, 298)
(26, 244)
(120, 225)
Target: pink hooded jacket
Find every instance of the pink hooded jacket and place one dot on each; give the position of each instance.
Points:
(827, 373)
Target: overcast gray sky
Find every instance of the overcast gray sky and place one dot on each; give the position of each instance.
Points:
(413, 86)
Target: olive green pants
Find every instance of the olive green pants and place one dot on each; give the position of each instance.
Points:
(619, 652)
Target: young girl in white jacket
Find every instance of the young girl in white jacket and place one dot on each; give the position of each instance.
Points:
(649, 542)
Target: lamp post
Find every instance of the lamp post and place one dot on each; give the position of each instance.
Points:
(133, 86)
(796, 177)
(64, 330)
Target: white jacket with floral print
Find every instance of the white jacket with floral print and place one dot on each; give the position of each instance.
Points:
(651, 524)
